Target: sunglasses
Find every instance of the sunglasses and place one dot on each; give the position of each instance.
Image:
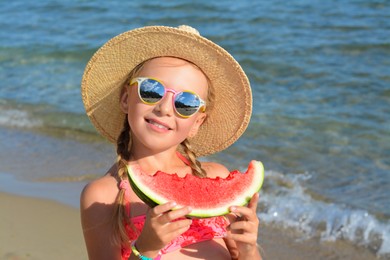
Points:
(151, 91)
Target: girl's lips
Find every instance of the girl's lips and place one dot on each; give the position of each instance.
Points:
(158, 124)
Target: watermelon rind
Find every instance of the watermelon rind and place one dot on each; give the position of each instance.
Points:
(142, 196)
(152, 199)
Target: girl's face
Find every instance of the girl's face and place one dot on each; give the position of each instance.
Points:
(158, 127)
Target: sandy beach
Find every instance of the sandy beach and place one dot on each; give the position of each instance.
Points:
(39, 229)
(34, 228)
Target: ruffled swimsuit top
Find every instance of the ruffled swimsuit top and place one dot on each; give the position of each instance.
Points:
(200, 230)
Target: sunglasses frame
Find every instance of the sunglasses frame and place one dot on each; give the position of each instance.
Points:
(140, 80)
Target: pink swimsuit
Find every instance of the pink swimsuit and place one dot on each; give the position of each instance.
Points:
(200, 230)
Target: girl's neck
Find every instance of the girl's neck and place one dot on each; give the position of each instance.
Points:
(166, 161)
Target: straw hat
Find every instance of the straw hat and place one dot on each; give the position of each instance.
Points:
(109, 68)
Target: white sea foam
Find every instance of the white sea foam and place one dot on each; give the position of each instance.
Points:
(17, 118)
(286, 202)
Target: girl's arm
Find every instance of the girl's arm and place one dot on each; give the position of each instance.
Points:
(97, 203)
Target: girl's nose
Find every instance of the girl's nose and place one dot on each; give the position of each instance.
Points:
(165, 106)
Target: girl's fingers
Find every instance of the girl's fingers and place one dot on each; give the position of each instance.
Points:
(254, 202)
(248, 212)
(181, 230)
(174, 214)
(242, 225)
(178, 213)
(243, 238)
(179, 224)
(244, 213)
(165, 214)
(160, 209)
(243, 230)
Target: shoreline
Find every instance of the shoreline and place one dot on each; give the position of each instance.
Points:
(36, 228)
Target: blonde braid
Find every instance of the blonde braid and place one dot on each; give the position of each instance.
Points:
(120, 215)
(194, 163)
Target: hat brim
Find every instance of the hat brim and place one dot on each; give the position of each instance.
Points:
(109, 67)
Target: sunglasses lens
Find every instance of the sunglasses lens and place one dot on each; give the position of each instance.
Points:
(151, 91)
(186, 103)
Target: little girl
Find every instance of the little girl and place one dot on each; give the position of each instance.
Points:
(165, 96)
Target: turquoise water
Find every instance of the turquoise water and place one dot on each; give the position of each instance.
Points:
(320, 73)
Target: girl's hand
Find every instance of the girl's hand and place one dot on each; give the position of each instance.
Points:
(161, 226)
(243, 230)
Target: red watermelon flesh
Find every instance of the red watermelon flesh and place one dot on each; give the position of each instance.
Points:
(206, 196)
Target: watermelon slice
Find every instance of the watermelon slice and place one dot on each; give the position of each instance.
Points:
(207, 197)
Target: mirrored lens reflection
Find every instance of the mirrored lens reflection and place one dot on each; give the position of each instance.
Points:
(186, 103)
(151, 91)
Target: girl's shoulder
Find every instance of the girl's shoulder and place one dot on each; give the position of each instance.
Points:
(102, 190)
(214, 170)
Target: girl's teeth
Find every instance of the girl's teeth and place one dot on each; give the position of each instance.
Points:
(158, 125)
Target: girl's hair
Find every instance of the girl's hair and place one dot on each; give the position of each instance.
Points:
(121, 219)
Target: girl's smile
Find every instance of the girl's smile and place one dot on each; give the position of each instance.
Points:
(158, 125)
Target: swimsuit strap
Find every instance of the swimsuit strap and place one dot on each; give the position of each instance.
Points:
(183, 158)
(125, 185)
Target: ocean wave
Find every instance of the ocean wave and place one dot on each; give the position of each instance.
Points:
(286, 202)
(45, 119)
(17, 118)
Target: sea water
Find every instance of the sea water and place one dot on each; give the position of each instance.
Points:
(320, 74)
